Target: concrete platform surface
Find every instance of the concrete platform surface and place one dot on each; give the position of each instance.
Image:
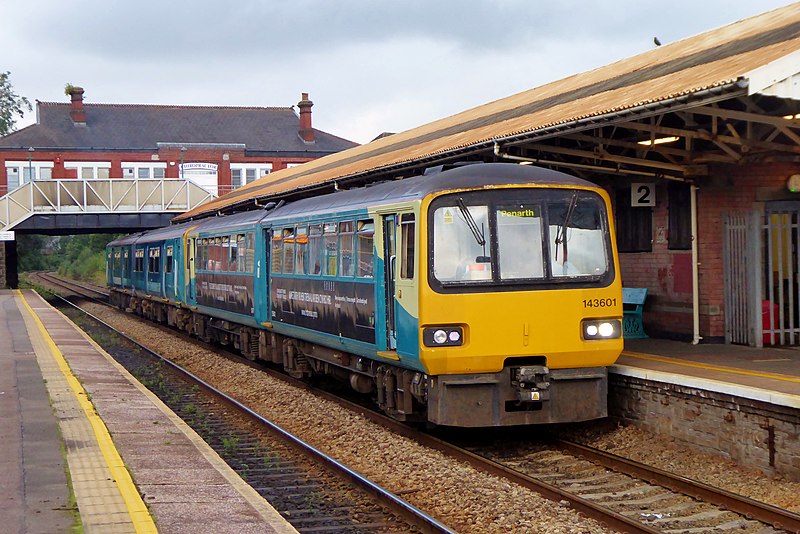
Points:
(134, 466)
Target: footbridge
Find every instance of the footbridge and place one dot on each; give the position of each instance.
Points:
(71, 206)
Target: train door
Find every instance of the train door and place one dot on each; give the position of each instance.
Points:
(399, 233)
(191, 296)
(389, 257)
(263, 301)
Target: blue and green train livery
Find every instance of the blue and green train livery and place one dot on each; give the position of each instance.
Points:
(481, 295)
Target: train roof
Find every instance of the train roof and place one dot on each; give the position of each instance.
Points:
(230, 222)
(159, 234)
(479, 175)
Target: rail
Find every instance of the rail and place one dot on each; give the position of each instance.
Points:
(99, 196)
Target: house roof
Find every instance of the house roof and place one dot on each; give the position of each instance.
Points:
(134, 127)
(760, 54)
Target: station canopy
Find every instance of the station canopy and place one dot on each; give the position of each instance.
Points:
(729, 95)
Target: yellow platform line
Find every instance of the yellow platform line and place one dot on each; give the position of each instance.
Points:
(733, 370)
(140, 515)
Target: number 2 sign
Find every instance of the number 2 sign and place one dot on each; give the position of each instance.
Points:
(643, 195)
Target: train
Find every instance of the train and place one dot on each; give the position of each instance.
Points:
(477, 295)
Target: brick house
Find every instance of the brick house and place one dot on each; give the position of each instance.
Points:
(220, 148)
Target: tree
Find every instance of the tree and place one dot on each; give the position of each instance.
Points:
(11, 104)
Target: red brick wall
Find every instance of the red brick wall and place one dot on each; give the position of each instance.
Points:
(667, 273)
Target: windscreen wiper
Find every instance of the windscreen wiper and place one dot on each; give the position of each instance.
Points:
(472, 225)
(561, 234)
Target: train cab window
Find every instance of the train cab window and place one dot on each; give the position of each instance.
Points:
(329, 239)
(461, 244)
(315, 249)
(138, 263)
(519, 241)
(277, 250)
(346, 265)
(407, 252)
(288, 250)
(576, 238)
(250, 258)
(168, 264)
(365, 255)
(300, 249)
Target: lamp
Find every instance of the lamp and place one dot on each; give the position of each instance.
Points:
(30, 164)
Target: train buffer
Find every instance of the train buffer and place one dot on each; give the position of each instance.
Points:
(632, 307)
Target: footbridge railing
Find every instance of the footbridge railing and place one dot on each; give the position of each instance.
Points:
(99, 196)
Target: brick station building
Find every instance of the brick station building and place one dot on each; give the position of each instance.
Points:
(218, 147)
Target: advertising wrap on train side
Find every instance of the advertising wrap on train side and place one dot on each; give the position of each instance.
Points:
(226, 292)
(344, 309)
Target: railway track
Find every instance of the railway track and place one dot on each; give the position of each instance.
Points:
(83, 289)
(625, 495)
(302, 483)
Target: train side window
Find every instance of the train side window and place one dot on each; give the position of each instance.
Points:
(300, 248)
(315, 249)
(233, 254)
(224, 254)
(241, 255)
(365, 255)
(288, 250)
(277, 250)
(250, 258)
(126, 266)
(168, 264)
(346, 265)
(154, 263)
(331, 251)
(138, 263)
(407, 231)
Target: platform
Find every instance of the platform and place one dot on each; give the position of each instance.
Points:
(84, 443)
(769, 374)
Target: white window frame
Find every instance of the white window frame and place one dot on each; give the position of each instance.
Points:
(22, 167)
(261, 169)
(137, 165)
(79, 166)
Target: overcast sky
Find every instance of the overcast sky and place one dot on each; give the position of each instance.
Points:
(370, 66)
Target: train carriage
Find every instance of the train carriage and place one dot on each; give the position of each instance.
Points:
(482, 295)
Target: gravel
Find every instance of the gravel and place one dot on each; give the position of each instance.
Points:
(465, 499)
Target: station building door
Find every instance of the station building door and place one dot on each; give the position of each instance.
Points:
(762, 275)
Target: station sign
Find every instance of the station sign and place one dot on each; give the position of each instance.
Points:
(7, 235)
(643, 195)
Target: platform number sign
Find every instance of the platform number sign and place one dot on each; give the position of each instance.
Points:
(643, 195)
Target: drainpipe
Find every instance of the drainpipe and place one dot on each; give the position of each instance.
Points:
(695, 274)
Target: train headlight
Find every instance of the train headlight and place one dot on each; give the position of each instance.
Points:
(601, 329)
(439, 337)
(443, 336)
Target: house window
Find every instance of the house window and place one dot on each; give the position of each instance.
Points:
(143, 171)
(680, 216)
(20, 172)
(244, 173)
(90, 170)
(634, 225)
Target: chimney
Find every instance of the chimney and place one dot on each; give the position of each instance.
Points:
(76, 112)
(306, 131)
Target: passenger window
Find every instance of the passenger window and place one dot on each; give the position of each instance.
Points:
(366, 233)
(241, 254)
(138, 264)
(331, 255)
(346, 266)
(233, 255)
(251, 252)
(288, 250)
(168, 265)
(316, 257)
(301, 247)
(277, 251)
(407, 231)
(223, 253)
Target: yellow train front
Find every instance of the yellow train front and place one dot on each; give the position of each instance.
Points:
(517, 307)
